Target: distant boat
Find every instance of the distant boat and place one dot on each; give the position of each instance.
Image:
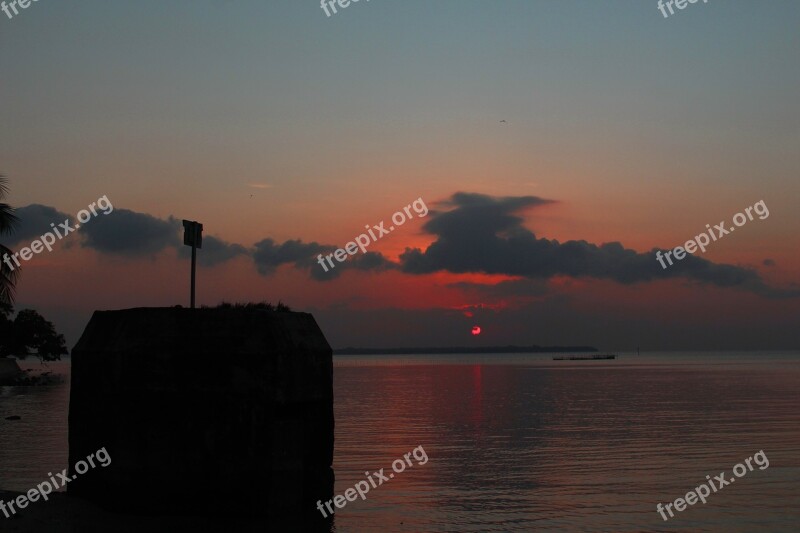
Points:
(584, 357)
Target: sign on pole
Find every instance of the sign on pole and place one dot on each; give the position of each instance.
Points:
(192, 233)
(193, 236)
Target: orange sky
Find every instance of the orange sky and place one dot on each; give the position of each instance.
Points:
(639, 131)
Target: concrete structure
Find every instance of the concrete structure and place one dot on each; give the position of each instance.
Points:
(203, 411)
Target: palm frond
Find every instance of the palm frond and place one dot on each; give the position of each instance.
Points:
(8, 220)
(8, 278)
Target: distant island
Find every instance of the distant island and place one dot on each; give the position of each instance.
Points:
(464, 349)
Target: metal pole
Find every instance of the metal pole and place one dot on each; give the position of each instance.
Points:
(194, 265)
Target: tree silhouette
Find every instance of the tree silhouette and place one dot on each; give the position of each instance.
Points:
(8, 276)
(29, 334)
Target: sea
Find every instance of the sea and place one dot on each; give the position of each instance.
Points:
(520, 442)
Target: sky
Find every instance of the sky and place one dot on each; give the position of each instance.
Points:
(555, 146)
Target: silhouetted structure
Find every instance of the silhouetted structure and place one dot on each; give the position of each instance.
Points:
(193, 236)
(9, 371)
(203, 410)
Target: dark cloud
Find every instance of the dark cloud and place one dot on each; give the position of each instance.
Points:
(474, 233)
(124, 232)
(131, 234)
(34, 221)
(369, 261)
(769, 262)
(268, 255)
(214, 251)
(485, 234)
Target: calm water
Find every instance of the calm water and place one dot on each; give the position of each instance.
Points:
(523, 443)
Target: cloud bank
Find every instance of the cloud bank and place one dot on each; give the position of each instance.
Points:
(473, 233)
(484, 234)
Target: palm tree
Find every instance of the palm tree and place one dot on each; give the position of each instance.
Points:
(8, 276)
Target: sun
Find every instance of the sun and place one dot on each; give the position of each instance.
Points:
(476, 330)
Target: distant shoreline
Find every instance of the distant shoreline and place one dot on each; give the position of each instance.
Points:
(464, 350)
